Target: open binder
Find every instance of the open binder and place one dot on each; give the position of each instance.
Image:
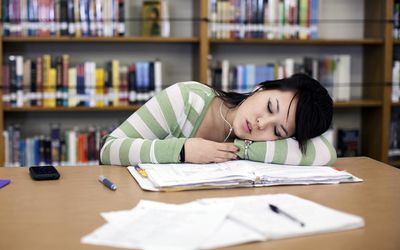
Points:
(176, 177)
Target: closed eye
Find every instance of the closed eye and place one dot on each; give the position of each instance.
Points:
(269, 107)
(277, 134)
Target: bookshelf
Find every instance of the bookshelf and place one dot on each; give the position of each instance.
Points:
(187, 55)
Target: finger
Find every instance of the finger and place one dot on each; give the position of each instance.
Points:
(219, 160)
(230, 147)
(226, 155)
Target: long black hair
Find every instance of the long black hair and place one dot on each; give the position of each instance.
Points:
(314, 105)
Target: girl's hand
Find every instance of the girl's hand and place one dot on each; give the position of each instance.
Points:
(199, 150)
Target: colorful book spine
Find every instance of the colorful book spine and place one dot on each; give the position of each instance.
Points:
(334, 72)
(71, 147)
(271, 19)
(64, 17)
(43, 82)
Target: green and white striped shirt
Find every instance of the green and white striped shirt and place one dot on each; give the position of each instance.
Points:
(157, 131)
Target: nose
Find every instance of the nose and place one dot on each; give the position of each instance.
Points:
(261, 124)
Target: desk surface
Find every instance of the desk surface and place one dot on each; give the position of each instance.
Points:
(56, 214)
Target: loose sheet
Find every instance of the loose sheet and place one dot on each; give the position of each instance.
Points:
(217, 222)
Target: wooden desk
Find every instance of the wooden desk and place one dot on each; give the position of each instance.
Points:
(56, 214)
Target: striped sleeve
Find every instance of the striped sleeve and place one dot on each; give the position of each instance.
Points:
(319, 152)
(151, 134)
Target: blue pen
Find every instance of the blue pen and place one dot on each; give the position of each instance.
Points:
(107, 182)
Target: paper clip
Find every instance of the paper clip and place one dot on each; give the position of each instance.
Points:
(141, 171)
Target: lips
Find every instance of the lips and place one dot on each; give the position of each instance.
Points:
(248, 127)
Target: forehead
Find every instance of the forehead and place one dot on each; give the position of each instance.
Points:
(284, 97)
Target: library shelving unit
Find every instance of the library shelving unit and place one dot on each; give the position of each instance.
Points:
(376, 47)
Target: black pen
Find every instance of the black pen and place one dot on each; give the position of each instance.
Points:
(277, 210)
(107, 183)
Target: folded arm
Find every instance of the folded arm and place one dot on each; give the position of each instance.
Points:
(147, 136)
(319, 152)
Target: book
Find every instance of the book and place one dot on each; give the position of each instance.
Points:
(348, 142)
(231, 174)
(151, 15)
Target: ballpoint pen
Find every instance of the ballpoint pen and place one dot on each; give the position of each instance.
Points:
(107, 183)
(277, 210)
(141, 171)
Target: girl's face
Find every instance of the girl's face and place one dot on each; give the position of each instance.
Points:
(266, 115)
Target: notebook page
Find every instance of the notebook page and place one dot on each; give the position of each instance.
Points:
(254, 212)
(152, 226)
(230, 232)
(285, 174)
(170, 175)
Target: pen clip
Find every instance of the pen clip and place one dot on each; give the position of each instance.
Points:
(141, 171)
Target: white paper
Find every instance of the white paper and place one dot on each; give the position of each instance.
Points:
(254, 212)
(152, 226)
(217, 222)
(230, 232)
(235, 173)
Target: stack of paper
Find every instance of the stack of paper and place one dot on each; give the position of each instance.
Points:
(170, 177)
(217, 222)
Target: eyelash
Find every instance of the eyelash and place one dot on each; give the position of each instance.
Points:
(269, 107)
(276, 132)
(270, 110)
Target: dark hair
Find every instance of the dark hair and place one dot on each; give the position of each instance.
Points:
(314, 105)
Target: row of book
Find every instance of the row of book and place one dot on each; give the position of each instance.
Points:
(51, 81)
(272, 19)
(394, 139)
(332, 71)
(80, 17)
(81, 147)
(68, 148)
(345, 140)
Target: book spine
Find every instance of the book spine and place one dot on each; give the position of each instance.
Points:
(6, 85)
(19, 74)
(121, 18)
(72, 87)
(115, 82)
(99, 87)
(132, 84)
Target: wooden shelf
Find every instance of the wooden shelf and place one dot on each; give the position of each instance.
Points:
(366, 41)
(396, 104)
(358, 104)
(72, 109)
(102, 39)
